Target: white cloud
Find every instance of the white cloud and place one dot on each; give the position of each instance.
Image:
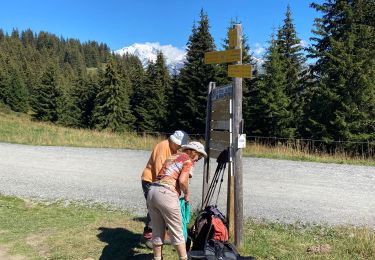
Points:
(259, 49)
(304, 44)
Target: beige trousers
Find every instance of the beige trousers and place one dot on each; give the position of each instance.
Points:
(164, 208)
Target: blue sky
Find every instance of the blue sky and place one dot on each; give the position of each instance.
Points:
(123, 23)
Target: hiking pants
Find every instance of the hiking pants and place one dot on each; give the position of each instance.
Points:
(164, 207)
(146, 187)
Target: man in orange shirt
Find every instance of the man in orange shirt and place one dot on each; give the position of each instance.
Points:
(161, 152)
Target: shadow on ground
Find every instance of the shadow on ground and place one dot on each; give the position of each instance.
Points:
(122, 244)
(140, 219)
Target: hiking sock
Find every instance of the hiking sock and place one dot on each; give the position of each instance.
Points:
(183, 257)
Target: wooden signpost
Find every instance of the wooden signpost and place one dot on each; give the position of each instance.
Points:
(217, 57)
(236, 189)
(240, 71)
(224, 127)
(233, 39)
(220, 120)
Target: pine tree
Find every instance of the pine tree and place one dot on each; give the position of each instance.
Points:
(154, 104)
(172, 103)
(269, 115)
(16, 93)
(24, 59)
(4, 78)
(343, 104)
(46, 97)
(191, 90)
(84, 93)
(112, 110)
(291, 51)
(69, 114)
(137, 76)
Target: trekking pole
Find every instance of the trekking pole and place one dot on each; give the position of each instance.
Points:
(211, 189)
(221, 182)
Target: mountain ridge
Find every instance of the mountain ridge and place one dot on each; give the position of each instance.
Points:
(175, 57)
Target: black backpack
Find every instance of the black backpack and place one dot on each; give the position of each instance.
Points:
(201, 237)
(202, 231)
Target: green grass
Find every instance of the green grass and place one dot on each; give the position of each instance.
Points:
(57, 231)
(287, 153)
(19, 128)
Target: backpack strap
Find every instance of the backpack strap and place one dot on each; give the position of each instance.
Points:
(232, 248)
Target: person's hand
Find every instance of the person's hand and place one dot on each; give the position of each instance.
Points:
(187, 198)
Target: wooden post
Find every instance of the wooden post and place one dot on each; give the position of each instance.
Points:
(236, 152)
(206, 167)
(230, 199)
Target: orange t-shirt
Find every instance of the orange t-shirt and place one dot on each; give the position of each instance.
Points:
(158, 156)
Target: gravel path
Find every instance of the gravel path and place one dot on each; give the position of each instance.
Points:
(275, 190)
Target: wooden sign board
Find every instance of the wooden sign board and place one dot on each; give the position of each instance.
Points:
(240, 71)
(214, 153)
(220, 115)
(232, 38)
(221, 136)
(222, 125)
(224, 105)
(217, 57)
(222, 92)
(219, 145)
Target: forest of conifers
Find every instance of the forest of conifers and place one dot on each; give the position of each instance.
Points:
(325, 91)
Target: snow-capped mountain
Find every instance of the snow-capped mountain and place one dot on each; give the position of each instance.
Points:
(146, 52)
(174, 56)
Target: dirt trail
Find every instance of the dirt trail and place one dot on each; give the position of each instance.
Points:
(275, 190)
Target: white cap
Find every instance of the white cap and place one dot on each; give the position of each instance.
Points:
(197, 146)
(179, 137)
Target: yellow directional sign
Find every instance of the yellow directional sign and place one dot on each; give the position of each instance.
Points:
(217, 57)
(240, 71)
(232, 37)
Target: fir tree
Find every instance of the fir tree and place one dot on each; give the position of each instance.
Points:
(172, 103)
(191, 90)
(24, 59)
(112, 110)
(84, 93)
(4, 78)
(153, 107)
(269, 108)
(69, 114)
(45, 99)
(343, 103)
(137, 79)
(291, 51)
(16, 96)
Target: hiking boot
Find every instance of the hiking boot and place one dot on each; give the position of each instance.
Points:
(149, 244)
(167, 240)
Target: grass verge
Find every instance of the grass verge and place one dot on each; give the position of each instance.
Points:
(19, 128)
(286, 153)
(60, 231)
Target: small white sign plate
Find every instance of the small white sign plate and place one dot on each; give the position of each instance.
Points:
(242, 141)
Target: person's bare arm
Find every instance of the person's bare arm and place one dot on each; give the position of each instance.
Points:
(184, 182)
